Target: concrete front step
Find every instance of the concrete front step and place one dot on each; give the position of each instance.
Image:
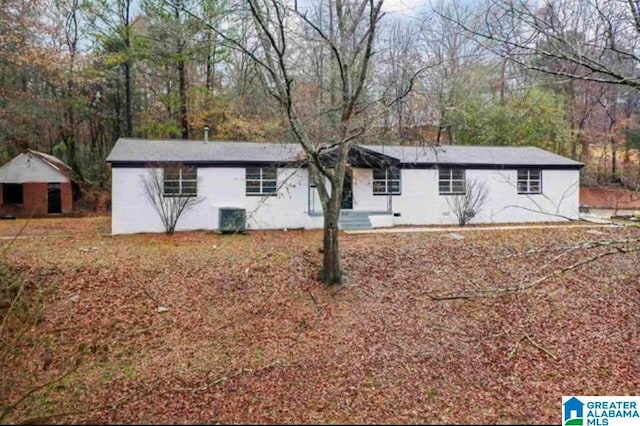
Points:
(354, 221)
(353, 215)
(356, 228)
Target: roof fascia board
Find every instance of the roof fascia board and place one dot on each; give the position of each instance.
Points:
(296, 164)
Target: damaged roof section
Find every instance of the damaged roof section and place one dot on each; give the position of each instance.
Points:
(35, 166)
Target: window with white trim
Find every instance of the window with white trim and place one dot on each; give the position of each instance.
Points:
(262, 180)
(180, 181)
(529, 181)
(386, 181)
(451, 181)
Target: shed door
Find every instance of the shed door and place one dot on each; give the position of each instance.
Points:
(55, 202)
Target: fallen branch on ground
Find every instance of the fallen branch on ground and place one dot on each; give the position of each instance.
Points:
(494, 292)
(9, 408)
(109, 406)
(239, 372)
(534, 344)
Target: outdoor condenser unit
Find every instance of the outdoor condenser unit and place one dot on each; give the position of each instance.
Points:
(232, 220)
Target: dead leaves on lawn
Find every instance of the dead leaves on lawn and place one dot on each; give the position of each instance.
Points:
(252, 337)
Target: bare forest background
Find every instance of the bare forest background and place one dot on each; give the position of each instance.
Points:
(75, 75)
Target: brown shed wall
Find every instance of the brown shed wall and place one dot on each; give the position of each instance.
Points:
(35, 200)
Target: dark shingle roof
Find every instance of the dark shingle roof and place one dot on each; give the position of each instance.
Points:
(174, 150)
(188, 151)
(475, 155)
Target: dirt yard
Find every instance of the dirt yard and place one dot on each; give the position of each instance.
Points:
(250, 336)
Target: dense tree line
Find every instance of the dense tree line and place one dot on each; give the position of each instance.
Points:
(77, 74)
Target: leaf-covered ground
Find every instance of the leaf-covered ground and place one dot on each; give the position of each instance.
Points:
(252, 337)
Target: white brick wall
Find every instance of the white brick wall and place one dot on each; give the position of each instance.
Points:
(419, 203)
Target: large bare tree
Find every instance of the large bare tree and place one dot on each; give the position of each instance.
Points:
(350, 42)
(283, 33)
(590, 40)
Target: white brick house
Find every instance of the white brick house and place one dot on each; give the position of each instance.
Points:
(387, 185)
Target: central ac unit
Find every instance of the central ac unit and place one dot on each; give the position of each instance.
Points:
(232, 220)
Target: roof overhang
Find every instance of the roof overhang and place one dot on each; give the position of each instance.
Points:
(203, 163)
(484, 166)
(359, 156)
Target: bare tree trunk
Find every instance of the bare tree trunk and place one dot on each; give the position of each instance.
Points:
(503, 81)
(614, 161)
(613, 117)
(604, 164)
(351, 47)
(127, 99)
(210, 64)
(169, 88)
(209, 74)
(117, 112)
(127, 70)
(182, 88)
(571, 114)
(331, 268)
(182, 76)
(69, 131)
(332, 63)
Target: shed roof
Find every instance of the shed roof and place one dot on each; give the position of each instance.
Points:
(35, 166)
(221, 152)
(55, 162)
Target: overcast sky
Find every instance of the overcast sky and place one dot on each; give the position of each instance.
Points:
(404, 7)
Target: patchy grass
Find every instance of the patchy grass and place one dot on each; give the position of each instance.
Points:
(252, 337)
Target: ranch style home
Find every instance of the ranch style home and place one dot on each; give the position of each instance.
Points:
(384, 186)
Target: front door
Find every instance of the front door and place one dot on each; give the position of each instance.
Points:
(54, 200)
(347, 191)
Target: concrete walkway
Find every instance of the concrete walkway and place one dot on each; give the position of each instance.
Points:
(474, 228)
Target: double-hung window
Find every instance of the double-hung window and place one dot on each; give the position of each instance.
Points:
(180, 182)
(529, 181)
(386, 181)
(451, 181)
(262, 180)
